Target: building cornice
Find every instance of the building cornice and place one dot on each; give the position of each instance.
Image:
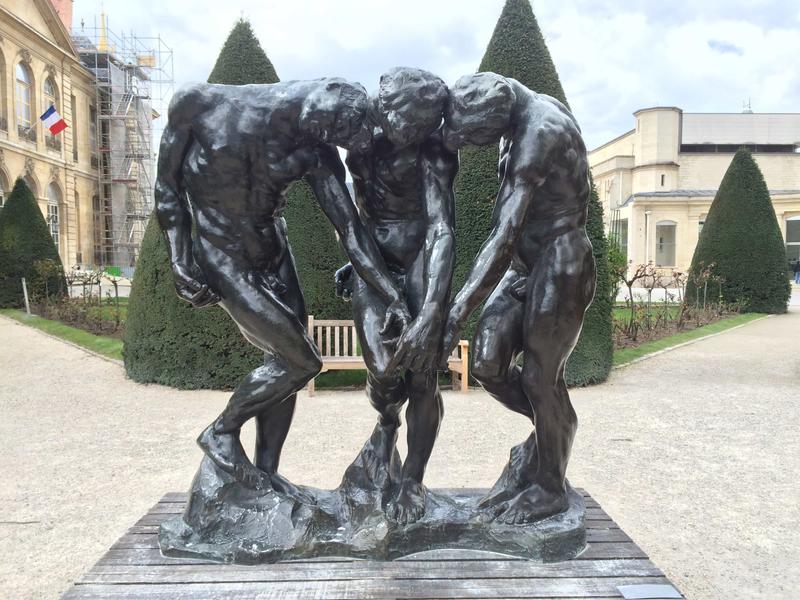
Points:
(616, 139)
(655, 108)
(655, 164)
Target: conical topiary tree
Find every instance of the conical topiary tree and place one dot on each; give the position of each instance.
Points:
(242, 60)
(741, 241)
(24, 240)
(518, 50)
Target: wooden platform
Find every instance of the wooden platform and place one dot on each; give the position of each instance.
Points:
(134, 568)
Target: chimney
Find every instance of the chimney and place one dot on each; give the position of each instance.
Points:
(64, 10)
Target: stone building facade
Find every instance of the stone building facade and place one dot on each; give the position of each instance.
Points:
(657, 181)
(39, 66)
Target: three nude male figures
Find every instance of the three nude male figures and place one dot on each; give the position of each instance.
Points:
(227, 157)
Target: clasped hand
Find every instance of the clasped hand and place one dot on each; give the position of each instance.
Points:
(193, 288)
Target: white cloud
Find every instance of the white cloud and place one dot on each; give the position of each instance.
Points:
(613, 57)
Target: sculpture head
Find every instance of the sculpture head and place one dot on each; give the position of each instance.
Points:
(479, 110)
(410, 105)
(335, 112)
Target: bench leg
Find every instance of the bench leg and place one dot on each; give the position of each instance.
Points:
(311, 387)
(464, 374)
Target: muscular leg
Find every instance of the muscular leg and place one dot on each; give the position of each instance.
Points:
(386, 392)
(497, 344)
(291, 361)
(561, 289)
(424, 416)
(272, 429)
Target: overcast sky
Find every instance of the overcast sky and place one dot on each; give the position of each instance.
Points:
(613, 56)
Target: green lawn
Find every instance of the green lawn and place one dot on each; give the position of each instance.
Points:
(110, 347)
(627, 355)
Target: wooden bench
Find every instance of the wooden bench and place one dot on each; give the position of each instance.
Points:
(338, 344)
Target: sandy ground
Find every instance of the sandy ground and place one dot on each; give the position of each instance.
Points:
(695, 453)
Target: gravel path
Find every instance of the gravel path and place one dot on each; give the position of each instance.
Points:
(695, 453)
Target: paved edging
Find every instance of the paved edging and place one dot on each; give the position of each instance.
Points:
(689, 343)
(62, 340)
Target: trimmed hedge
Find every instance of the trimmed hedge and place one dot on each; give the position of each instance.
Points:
(25, 239)
(742, 239)
(518, 50)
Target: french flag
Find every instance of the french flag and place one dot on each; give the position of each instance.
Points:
(53, 121)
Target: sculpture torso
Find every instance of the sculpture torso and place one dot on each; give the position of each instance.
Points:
(389, 195)
(245, 152)
(546, 150)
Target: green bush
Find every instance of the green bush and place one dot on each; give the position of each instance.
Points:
(26, 246)
(518, 50)
(741, 242)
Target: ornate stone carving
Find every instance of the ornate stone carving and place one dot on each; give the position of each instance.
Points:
(30, 166)
(55, 171)
(25, 56)
(50, 70)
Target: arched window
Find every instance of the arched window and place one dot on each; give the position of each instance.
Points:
(50, 98)
(24, 96)
(3, 188)
(665, 243)
(53, 214)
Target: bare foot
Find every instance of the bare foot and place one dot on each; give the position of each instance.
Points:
(532, 504)
(225, 449)
(517, 475)
(409, 506)
(380, 454)
(286, 487)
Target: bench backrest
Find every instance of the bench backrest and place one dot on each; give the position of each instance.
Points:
(334, 337)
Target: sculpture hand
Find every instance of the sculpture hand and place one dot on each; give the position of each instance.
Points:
(344, 282)
(418, 346)
(192, 289)
(452, 330)
(519, 289)
(397, 319)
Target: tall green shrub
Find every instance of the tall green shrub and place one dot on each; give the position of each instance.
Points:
(24, 240)
(518, 50)
(741, 238)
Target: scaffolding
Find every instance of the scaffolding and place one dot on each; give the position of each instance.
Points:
(133, 81)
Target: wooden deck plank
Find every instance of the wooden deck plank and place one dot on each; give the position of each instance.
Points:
(358, 589)
(134, 568)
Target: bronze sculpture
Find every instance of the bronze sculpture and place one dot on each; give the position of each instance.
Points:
(403, 185)
(228, 155)
(539, 269)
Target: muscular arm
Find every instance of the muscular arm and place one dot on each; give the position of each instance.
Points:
(172, 211)
(508, 219)
(439, 168)
(327, 181)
